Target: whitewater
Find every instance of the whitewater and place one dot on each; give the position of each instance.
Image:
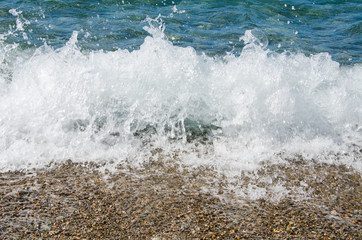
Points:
(232, 112)
(237, 95)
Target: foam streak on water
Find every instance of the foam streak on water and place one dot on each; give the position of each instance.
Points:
(230, 112)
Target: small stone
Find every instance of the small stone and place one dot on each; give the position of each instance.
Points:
(45, 227)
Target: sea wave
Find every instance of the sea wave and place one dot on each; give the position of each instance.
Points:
(232, 112)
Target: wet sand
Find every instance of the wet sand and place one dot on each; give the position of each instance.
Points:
(76, 201)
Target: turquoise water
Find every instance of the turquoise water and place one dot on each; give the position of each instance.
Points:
(211, 27)
(227, 84)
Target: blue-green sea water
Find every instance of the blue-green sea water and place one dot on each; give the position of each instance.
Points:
(227, 84)
(211, 27)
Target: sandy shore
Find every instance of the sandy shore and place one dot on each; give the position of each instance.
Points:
(74, 201)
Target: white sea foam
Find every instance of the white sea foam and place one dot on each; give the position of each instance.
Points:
(59, 104)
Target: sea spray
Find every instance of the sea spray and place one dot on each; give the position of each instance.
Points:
(234, 114)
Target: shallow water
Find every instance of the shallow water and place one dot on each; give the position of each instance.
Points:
(230, 85)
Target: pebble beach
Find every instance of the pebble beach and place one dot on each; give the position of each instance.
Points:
(77, 201)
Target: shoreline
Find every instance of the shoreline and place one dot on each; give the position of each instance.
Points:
(77, 201)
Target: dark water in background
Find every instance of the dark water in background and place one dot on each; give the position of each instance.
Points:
(212, 27)
(222, 83)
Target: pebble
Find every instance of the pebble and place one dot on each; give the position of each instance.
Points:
(74, 201)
